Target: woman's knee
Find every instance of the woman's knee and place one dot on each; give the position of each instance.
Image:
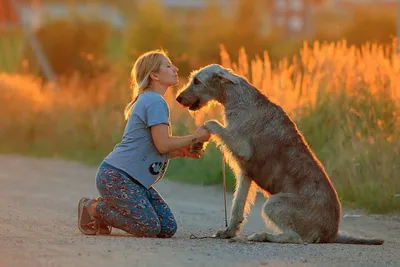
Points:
(152, 230)
(144, 230)
(168, 230)
(138, 223)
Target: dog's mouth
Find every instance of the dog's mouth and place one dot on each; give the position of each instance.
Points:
(195, 105)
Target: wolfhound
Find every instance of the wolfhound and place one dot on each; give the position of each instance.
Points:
(265, 150)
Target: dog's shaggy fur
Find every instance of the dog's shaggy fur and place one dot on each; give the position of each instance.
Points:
(265, 150)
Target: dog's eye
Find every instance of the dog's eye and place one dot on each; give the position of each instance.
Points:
(196, 81)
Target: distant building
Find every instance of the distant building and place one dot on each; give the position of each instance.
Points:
(35, 13)
(192, 4)
(7, 14)
(293, 17)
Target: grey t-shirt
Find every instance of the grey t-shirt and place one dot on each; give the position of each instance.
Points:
(136, 154)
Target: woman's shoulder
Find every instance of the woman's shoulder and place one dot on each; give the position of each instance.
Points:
(149, 97)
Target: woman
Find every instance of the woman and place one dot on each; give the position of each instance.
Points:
(126, 176)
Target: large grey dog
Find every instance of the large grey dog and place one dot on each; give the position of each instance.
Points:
(265, 150)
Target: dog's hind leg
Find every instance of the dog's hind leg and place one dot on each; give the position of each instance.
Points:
(243, 198)
(287, 236)
(281, 210)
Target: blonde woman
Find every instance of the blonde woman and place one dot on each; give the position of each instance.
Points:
(126, 177)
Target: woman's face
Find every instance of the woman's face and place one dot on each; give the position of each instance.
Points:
(168, 73)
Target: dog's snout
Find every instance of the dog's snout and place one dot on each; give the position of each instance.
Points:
(179, 99)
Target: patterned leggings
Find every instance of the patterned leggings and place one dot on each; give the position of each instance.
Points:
(129, 206)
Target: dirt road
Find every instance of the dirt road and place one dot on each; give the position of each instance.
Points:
(38, 227)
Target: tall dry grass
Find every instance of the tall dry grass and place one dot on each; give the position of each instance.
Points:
(344, 100)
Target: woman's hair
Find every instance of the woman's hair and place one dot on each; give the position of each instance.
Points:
(140, 75)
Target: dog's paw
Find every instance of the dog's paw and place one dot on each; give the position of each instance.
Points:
(225, 234)
(213, 126)
(256, 237)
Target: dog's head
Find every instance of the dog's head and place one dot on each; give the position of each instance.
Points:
(205, 85)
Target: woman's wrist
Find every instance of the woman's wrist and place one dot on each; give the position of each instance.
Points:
(194, 139)
(180, 142)
(174, 154)
(177, 154)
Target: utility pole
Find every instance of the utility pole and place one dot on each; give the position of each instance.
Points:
(35, 45)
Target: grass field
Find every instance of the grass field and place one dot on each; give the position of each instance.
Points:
(11, 46)
(344, 100)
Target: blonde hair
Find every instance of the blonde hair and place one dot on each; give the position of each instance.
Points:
(140, 75)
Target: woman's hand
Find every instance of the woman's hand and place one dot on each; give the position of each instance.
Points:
(202, 135)
(185, 152)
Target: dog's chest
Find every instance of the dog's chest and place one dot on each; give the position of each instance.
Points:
(235, 122)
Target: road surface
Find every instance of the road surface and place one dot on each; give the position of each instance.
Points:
(38, 227)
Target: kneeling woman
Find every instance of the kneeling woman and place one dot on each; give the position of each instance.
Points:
(126, 176)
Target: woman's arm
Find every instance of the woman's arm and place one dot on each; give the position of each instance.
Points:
(165, 143)
(175, 154)
(185, 152)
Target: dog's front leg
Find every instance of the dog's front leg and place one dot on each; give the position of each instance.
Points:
(243, 198)
(238, 146)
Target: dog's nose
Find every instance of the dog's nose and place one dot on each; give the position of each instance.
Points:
(179, 99)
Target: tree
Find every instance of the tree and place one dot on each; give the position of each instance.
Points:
(246, 27)
(370, 27)
(211, 30)
(150, 29)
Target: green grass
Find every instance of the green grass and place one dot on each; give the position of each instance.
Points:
(11, 46)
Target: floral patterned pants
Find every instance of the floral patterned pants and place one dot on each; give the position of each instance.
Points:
(129, 206)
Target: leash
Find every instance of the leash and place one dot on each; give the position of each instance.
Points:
(192, 236)
(224, 185)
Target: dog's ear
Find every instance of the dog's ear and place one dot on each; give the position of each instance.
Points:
(225, 76)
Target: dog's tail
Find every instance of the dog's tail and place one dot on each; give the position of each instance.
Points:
(346, 239)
